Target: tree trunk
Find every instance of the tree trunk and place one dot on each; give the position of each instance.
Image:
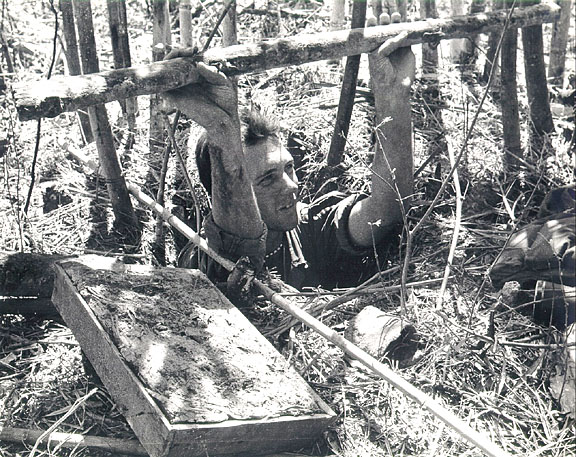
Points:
(161, 38)
(126, 221)
(185, 16)
(73, 59)
(347, 94)
(536, 84)
(470, 52)
(558, 44)
(161, 41)
(429, 50)
(493, 39)
(337, 14)
(509, 98)
(121, 50)
(48, 98)
(457, 46)
(229, 34)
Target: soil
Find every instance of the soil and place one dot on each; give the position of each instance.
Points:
(196, 354)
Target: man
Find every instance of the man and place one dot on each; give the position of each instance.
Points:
(254, 189)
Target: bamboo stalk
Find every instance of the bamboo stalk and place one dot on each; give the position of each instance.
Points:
(61, 94)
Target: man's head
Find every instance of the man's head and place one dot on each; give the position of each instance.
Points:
(269, 166)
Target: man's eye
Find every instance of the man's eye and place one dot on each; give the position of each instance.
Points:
(266, 181)
(289, 166)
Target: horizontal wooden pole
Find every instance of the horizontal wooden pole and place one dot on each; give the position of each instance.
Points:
(49, 98)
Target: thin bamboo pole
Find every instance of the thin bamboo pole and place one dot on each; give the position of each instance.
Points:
(60, 94)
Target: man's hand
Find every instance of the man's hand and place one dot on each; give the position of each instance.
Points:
(392, 74)
(212, 102)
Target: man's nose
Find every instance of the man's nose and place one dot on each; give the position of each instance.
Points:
(291, 181)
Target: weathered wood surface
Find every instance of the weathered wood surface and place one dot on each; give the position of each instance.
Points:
(104, 341)
(61, 94)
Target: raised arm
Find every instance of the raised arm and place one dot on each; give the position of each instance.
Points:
(392, 171)
(213, 103)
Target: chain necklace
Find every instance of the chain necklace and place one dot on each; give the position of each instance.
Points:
(275, 251)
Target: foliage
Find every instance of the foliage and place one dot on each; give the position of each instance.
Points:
(500, 389)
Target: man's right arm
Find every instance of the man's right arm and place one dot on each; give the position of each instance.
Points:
(234, 206)
(212, 102)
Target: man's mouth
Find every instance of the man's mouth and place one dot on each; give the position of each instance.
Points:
(286, 207)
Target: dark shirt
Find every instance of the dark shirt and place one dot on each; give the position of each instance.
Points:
(319, 252)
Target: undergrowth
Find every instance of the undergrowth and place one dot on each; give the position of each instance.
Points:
(502, 390)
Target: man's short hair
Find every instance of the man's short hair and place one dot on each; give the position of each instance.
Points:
(256, 127)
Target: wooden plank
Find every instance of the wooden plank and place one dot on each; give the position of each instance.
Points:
(248, 438)
(139, 409)
(48, 98)
(260, 404)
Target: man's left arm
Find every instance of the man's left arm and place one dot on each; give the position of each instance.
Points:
(392, 170)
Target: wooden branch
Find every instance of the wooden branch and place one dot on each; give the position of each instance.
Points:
(73, 440)
(61, 94)
(347, 93)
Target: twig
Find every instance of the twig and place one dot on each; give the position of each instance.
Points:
(79, 402)
(455, 233)
(39, 124)
(218, 22)
(423, 219)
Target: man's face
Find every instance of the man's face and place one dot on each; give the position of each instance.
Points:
(271, 170)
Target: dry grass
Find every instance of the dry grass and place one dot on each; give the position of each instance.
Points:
(502, 390)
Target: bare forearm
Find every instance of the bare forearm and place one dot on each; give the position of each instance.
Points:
(234, 206)
(392, 177)
(392, 170)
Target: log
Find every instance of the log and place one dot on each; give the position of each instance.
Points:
(73, 440)
(61, 94)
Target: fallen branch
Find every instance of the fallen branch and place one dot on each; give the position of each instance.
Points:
(61, 94)
(455, 232)
(73, 440)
